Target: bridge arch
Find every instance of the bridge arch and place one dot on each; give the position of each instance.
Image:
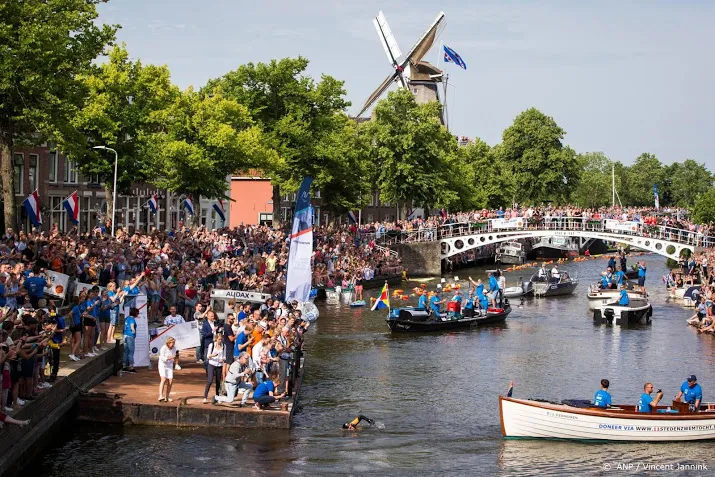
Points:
(451, 246)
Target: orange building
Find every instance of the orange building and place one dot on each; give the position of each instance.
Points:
(251, 200)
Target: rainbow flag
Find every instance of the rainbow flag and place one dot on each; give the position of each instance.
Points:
(383, 300)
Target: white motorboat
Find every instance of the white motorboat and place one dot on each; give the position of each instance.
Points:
(637, 312)
(598, 296)
(686, 296)
(522, 418)
(511, 253)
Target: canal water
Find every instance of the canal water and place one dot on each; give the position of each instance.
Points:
(434, 398)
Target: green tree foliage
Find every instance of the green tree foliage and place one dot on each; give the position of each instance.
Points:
(489, 174)
(126, 105)
(595, 187)
(704, 210)
(645, 171)
(206, 138)
(413, 152)
(542, 167)
(299, 119)
(44, 45)
(688, 180)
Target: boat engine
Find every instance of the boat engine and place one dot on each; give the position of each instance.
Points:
(608, 315)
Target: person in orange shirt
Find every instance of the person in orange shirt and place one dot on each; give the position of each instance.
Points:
(256, 336)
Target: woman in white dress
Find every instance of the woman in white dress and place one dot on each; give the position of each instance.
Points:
(167, 354)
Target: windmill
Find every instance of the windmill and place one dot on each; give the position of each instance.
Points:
(410, 71)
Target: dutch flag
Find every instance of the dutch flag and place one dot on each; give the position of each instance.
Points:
(32, 206)
(154, 203)
(71, 204)
(218, 207)
(189, 205)
(351, 216)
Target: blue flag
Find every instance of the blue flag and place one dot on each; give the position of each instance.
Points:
(451, 56)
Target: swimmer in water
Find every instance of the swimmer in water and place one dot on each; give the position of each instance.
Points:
(352, 425)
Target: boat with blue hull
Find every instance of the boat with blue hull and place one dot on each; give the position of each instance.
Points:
(415, 319)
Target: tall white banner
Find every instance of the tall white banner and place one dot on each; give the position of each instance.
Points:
(300, 274)
(141, 343)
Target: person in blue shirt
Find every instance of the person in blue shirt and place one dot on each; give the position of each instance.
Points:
(647, 403)
(3, 290)
(612, 263)
(493, 289)
(35, 286)
(619, 276)
(624, 300)
(641, 275)
(263, 395)
(75, 319)
(130, 334)
(468, 309)
(691, 392)
(602, 398)
(605, 282)
(422, 302)
(434, 303)
(484, 300)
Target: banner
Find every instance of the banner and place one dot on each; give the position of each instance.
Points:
(79, 286)
(58, 284)
(187, 336)
(621, 226)
(513, 223)
(656, 196)
(141, 343)
(300, 274)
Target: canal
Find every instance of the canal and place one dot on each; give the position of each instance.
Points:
(434, 397)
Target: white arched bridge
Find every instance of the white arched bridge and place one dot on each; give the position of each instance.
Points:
(461, 237)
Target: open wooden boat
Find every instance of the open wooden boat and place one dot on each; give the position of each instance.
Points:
(523, 418)
(419, 320)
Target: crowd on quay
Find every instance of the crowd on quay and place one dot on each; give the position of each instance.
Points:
(176, 270)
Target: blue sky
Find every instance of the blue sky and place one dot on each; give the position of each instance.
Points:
(619, 77)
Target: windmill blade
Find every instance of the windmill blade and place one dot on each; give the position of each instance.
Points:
(387, 39)
(378, 92)
(425, 42)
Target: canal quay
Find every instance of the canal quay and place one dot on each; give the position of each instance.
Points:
(434, 397)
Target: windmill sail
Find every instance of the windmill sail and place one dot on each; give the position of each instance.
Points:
(389, 43)
(378, 92)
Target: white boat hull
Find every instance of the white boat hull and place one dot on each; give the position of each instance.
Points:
(530, 419)
(513, 292)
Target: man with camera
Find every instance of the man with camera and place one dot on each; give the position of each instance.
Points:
(647, 403)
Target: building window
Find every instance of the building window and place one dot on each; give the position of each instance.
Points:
(52, 167)
(317, 194)
(70, 172)
(58, 214)
(34, 160)
(18, 168)
(373, 199)
(93, 179)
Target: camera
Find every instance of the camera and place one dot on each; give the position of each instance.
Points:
(660, 391)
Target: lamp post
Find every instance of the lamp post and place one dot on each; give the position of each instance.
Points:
(114, 190)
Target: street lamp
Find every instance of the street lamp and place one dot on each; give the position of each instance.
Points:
(114, 191)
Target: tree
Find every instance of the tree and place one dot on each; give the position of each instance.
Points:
(646, 171)
(412, 151)
(594, 188)
(206, 138)
(688, 180)
(487, 172)
(44, 45)
(704, 210)
(296, 115)
(542, 167)
(126, 104)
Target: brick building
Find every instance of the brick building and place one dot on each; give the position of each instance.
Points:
(55, 177)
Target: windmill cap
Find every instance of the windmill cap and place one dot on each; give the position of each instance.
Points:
(692, 378)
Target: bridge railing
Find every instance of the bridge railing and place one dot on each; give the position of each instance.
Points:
(618, 227)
